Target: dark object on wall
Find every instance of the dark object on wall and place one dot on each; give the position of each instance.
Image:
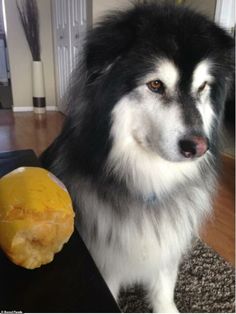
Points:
(29, 17)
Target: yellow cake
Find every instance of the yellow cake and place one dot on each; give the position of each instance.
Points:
(36, 216)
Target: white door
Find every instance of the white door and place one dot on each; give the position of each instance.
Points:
(81, 17)
(71, 18)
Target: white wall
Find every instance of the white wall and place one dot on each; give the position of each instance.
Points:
(101, 7)
(20, 58)
(1, 19)
(206, 7)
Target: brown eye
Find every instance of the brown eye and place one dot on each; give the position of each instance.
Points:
(202, 87)
(156, 86)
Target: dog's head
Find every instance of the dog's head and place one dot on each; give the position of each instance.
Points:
(155, 79)
(168, 113)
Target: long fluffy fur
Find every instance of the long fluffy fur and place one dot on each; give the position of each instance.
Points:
(136, 211)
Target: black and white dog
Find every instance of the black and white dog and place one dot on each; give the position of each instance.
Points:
(139, 148)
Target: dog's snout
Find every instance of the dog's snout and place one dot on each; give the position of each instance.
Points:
(194, 146)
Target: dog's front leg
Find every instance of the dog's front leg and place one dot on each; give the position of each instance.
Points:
(162, 290)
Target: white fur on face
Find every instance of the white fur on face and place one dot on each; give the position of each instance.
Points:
(202, 74)
(130, 159)
(158, 126)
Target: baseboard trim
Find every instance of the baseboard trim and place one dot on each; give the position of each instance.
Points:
(51, 108)
(21, 109)
(30, 109)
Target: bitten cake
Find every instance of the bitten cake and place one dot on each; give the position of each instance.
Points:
(36, 216)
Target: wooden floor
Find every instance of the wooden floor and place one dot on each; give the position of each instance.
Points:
(26, 130)
(219, 233)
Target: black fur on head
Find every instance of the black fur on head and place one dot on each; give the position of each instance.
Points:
(117, 53)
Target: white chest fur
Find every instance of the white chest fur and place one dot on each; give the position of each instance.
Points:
(136, 246)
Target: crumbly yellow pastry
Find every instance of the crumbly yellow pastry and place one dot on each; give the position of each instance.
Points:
(36, 216)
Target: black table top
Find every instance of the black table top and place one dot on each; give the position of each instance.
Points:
(71, 283)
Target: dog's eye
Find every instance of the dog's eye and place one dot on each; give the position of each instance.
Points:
(156, 86)
(202, 87)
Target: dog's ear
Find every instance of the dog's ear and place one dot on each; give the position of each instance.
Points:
(107, 42)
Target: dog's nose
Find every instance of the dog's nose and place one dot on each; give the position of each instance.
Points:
(194, 146)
